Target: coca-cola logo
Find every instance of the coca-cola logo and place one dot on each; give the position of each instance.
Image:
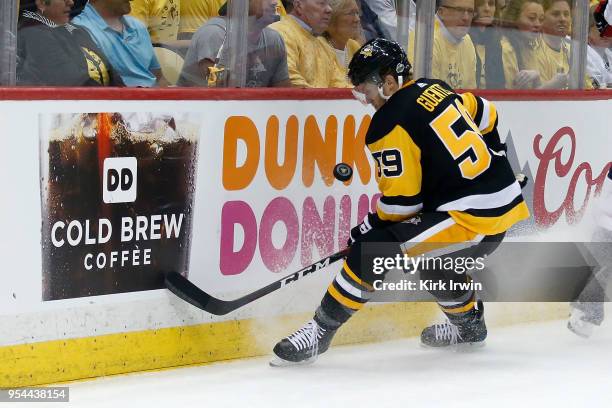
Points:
(552, 154)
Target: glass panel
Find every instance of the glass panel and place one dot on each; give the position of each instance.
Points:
(488, 44)
(506, 44)
(8, 43)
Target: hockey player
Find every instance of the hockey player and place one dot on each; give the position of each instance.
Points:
(588, 311)
(444, 179)
(603, 18)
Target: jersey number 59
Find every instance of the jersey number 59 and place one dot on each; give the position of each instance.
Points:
(458, 145)
(389, 162)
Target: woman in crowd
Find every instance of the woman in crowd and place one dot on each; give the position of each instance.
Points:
(53, 52)
(344, 30)
(554, 49)
(522, 22)
(486, 38)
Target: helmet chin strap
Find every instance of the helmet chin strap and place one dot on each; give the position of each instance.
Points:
(400, 82)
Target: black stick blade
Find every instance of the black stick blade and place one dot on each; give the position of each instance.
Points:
(183, 288)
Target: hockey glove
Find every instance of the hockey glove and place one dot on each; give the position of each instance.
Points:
(603, 26)
(370, 222)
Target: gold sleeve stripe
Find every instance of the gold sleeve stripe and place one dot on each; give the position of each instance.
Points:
(343, 300)
(469, 101)
(492, 225)
(354, 277)
(443, 235)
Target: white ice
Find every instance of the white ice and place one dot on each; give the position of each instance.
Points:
(532, 365)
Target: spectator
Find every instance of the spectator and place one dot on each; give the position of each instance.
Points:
(500, 6)
(522, 20)
(343, 31)
(125, 41)
(52, 52)
(553, 53)
(311, 61)
(599, 56)
(266, 59)
(194, 13)
(385, 16)
(603, 18)
(79, 5)
(454, 56)
(161, 17)
(487, 41)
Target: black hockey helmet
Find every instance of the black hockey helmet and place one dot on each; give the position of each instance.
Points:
(377, 58)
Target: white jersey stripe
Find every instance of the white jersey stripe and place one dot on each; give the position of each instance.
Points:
(486, 114)
(399, 209)
(484, 201)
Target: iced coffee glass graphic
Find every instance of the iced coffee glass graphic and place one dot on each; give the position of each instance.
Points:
(117, 200)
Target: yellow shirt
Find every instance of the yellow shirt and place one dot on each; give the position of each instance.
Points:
(550, 61)
(353, 47)
(453, 61)
(510, 61)
(311, 61)
(160, 16)
(343, 59)
(194, 13)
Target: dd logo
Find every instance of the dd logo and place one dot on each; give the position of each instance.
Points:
(120, 179)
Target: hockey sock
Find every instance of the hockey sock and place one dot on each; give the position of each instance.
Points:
(458, 305)
(345, 295)
(459, 311)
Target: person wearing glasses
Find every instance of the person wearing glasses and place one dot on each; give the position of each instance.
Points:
(344, 30)
(454, 55)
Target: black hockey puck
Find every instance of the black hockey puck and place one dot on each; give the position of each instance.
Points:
(343, 172)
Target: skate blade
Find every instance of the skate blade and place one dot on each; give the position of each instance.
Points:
(583, 329)
(458, 348)
(276, 361)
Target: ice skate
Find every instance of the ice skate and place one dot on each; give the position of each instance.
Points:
(303, 346)
(472, 332)
(581, 324)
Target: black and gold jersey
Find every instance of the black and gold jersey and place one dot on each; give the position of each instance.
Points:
(436, 150)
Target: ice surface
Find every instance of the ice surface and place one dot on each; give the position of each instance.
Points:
(535, 365)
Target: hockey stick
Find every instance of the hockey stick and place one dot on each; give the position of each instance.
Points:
(183, 288)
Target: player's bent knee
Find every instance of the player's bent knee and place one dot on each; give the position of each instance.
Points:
(365, 255)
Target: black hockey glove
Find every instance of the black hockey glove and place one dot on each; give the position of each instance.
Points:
(370, 222)
(603, 26)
